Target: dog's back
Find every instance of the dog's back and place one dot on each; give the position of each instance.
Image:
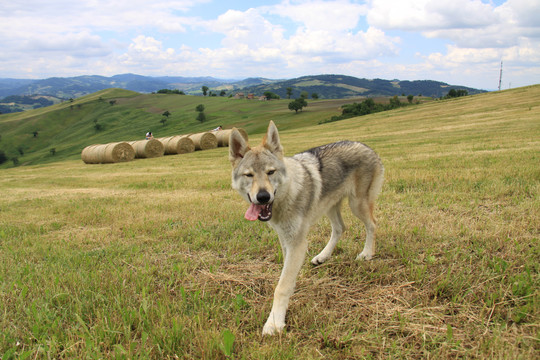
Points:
(337, 162)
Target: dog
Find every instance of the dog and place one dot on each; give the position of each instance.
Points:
(292, 193)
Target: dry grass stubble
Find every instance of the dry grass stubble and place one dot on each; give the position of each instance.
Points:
(152, 258)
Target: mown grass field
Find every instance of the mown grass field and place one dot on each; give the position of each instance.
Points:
(153, 259)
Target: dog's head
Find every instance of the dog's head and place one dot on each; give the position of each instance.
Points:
(257, 172)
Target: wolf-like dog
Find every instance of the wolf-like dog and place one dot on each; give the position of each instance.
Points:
(292, 193)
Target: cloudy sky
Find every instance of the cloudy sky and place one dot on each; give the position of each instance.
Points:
(460, 42)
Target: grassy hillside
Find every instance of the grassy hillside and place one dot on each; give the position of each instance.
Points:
(153, 259)
(70, 126)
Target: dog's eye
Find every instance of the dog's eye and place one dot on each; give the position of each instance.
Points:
(248, 175)
(270, 172)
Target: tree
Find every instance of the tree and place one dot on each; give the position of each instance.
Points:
(165, 117)
(35, 133)
(222, 93)
(204, 90)
(410, 98)
(53, 151)
(298, 104)
(270, 95)
(314, 96)
(201, 116)
(394, 102)
(304, 94)
(3, 157)
(289, 92)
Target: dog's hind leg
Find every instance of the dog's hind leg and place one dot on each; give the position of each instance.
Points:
(363, 209)
(334, 214)
(362, 204)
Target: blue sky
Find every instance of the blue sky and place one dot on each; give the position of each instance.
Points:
(460, 42)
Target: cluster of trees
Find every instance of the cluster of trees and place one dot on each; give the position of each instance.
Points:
(368, 106)
(453, 93)
(303, 94)
(169, 91)
(271, 96)
(13, 103)
(28, 100)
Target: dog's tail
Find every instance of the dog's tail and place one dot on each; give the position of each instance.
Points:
(376, 183)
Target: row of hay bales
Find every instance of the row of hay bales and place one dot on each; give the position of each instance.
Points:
(141, 149)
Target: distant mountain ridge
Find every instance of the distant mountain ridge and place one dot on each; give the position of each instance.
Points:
(326, 86)
(341, 86)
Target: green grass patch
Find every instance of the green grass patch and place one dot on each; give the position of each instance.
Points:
(153, 259)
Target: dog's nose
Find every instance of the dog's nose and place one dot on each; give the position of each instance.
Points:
(263, 197)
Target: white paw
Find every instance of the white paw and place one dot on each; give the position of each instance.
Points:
(319, 259)
(271, 328)
(364, 255)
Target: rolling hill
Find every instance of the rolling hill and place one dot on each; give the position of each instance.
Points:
(326, 86)
(340, 86)
(121, 115)
(59, 132)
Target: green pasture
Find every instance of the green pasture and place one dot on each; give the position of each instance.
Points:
(152, 259)
(71, 126)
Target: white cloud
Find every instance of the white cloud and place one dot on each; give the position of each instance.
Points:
(272, 38)
(334, 16)
(82, 44)
(426, 15)
(325, 34)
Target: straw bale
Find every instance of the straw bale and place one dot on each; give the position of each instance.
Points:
(108, 153)
(179, 144)
(224, 135)
(204, 141)
(147, 148)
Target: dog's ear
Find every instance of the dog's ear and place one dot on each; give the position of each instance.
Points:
(271, 140)
(238, 147)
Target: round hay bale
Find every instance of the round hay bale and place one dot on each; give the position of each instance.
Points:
(108, 153)
(204, 141)
(224, 135)
(147, 148)
(179, 144)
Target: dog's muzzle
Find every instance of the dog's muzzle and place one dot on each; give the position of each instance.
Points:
(261, 211)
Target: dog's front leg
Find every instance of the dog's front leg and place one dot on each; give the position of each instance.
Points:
(294, 251)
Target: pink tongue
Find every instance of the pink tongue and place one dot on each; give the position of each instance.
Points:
(253, 212)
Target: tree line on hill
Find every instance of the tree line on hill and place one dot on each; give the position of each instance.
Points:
(13, 103)
(369, 106)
